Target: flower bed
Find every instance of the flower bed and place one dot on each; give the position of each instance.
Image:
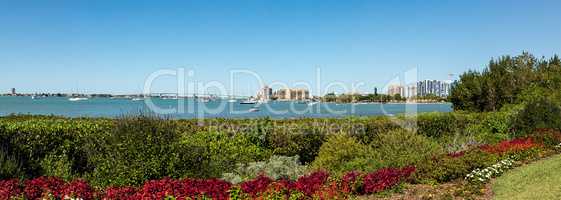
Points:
(484, 175)
(510, 146)
(315, 185)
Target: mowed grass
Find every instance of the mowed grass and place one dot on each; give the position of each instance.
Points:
(539, 180)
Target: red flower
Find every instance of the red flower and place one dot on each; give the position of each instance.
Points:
(78, 189)
(311, 183)
(256, 186)
(456, 154)
(43, 187)
(514, 145)
(385, 178)
(120, 193)
(9, 188)
(350, 181)
(214, 188)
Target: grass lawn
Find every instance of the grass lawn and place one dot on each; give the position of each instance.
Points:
(539, 180)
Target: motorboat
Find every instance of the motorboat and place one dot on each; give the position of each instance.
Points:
(249, 101)
(253, 109)
(77, 99)
(137, 99)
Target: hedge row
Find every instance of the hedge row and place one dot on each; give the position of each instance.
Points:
(132, 149)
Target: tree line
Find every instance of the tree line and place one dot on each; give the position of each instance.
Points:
(507, 80)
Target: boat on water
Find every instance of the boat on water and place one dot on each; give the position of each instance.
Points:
(232, 100)
(204, 100)
(38, 97)
(77, 99)
(312, 103)
(253, 109)
(249, 101)
(137, 99)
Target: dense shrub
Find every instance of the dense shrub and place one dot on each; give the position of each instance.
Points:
(311, 183)
(447, 167)
(137, 149)
(132, 149)
(220, 153)
(547, 137)
(403, 148)
(10, 166)
(339, 151)
(385, 178)
(539, 112)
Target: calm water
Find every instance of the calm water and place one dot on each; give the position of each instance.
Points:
(106, 107)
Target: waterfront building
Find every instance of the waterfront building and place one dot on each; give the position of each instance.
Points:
(411, 91)
(266, 93)
(292, 94)
(433, 87)
(396, 89)
(13, 93)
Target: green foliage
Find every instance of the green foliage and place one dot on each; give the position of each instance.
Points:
(138, 148)
(541, 112)
(276, 167)
(338, 151)
(57, 165)
(504, 80)
(446, 168)
(403, 148)
(219, 152)
(10, 167)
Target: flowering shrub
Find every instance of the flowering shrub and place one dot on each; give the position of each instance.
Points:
(456, 154)
(256, 186)
(78, 189)
(510, 146)
(385, 178)
(47, 187)
(120, 193)
(311, 183)
(351, 181)
(9, 188)
(314, 185)
(483, 175)
(214, 188)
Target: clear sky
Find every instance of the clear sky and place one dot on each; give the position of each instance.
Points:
(112, 46)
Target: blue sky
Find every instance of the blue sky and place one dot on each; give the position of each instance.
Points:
(112, 46)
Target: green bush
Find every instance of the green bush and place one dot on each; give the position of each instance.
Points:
(138, 148)
(444, 168)
(403, 148)
(305, 144)
(10, 166)
(220, 153)
(57, 165)
(340, 150)
(540, 112)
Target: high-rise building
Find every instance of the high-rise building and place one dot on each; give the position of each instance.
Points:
(292, 94)
(13, 92)
(265, 93)
(411, 91)
(396, 89)
(433, 87)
